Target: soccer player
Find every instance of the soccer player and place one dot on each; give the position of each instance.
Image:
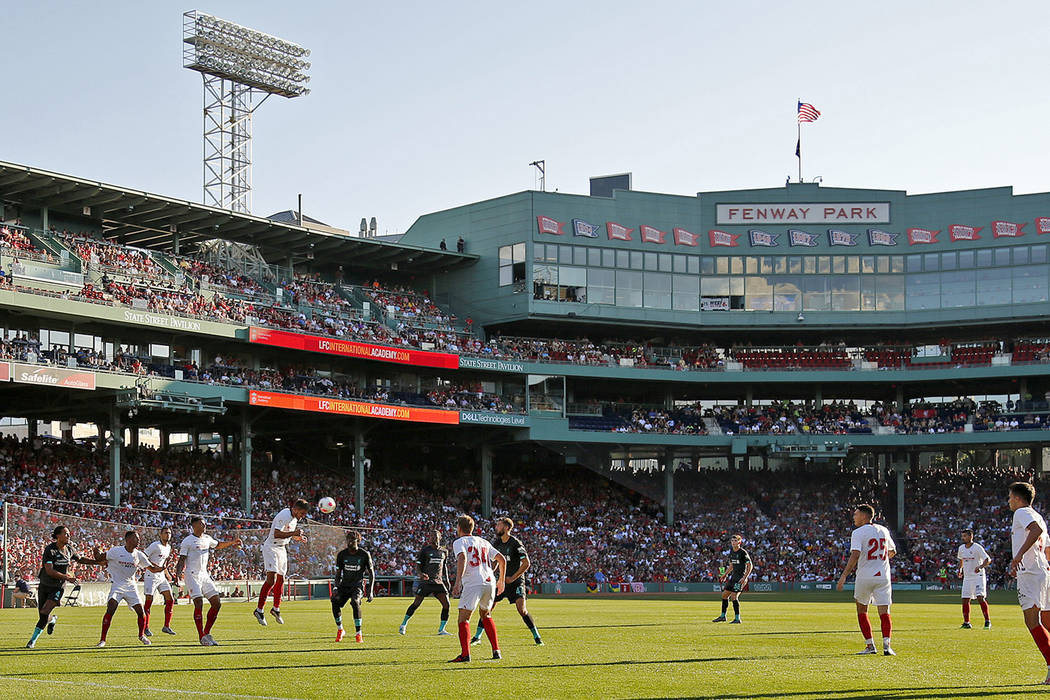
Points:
(476, 585)
(275, 556)
(352, 566)
(517, 564)
(431, 564)
(871, 549)
(158, 554)
(124, 564)
(54, 573)
(735, 578)
(193, 559)
(973, 560)
(1028, 540)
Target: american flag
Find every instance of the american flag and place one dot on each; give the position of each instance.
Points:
(807, 112)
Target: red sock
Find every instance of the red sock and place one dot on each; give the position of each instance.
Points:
(142, 625)
(1042, 641)
(865, 626)
(213, 612)
(106, 619)
(464, 637)
(145, 609)
(264, 594)
(966, 610)
(984, 609)
(169, 607)
(198, 619)
(887, 626)
(278, 585)
(490, 632)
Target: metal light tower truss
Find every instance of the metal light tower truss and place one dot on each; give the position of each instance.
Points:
(237, 64)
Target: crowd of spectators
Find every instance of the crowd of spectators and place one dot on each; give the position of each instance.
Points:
(789, 418)
(113, 257)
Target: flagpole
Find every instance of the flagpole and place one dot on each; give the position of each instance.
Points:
(799, 146)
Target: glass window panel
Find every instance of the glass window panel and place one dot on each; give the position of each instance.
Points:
(537, 251)
(707, 265)
(601, 286)
(896, 263)
(932, 262)
(506, 275)
(889, 292)
(867, 264)
(809, 265)
(608, 258)
(623, 259)
(824, 264)
(694, 265)
(965, 258)
(722, 266)
(572, 276)
(552, 253)
(1021, 255)
(845, 293)
(680, 264)
(657, 290)
(579, 255)
(545, 273)
(758, 293)
(685, 293)
(637, 261)
(815, 294)
(751, 265)
(994, 286)
(923, 291)
(882, 263)
(736, 265)
(957, 289)
(594, 257)
(628, 288)
(650, 261)
(914, 263)
(867, 293)
(1029, 284)
(736, 286)
(984, 258)
(665, 262)
(794, 265)
(1038, 254)
(565, 254)
(838, 264)
(787, 294)
(852, 264)
(948, 261)
(766, 264)
(519, 252)
(506, 254)
(780, 265)
(714, 286)
(1002, 257)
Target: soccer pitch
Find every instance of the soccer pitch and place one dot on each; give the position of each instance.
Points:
(788, 647)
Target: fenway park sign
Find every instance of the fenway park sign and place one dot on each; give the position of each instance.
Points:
(53, 376)
(812, 213)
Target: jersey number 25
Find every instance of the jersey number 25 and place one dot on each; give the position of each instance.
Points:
(877, 548)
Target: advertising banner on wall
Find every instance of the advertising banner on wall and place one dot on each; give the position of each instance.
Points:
(364, 409)
(350, 348)
(54, 376)
(5, 371)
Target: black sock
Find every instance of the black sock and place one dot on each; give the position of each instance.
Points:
(337, 610)
(725, 606)
(42, 622)
(527, 619)
(736, 608)
(444, 614)
(411, 610)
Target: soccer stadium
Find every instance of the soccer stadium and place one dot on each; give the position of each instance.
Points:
(674, 403)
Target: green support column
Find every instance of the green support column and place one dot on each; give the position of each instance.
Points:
(359, 470)
(486, 481)
(668, 466)
(246, 464)
(116, 433)
(900, 499)
(165, 438)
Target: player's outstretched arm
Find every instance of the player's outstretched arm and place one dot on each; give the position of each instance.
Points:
(229, 543)
(53, 573)
(854, 557)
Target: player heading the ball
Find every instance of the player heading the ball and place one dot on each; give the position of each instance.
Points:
(871, 549)
(285, 527)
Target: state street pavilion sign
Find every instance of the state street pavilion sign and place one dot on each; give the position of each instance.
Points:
(812, 213)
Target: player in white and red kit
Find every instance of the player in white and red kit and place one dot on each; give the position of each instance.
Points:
(285, 527)
(124, 564)
(158, 554)
(871, 549)
(476, 584)
(1029, 540)
(193, 558)
(973, 560)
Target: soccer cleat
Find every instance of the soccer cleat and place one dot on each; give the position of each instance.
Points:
(401, 629)
(30, 645)
(148, 632)
(1047, 681)
(720, 618)
(358, 638)
(339, 634)
(444, 633)
(100, 645)
(736, 621)
(496, 656)
(461, 659)
(51, 622)
(988, 624)
(539, 642)
(276, 615)
(966, 626)
(145, 641)
(167, 630)
(259, 617)
(474, 641)
(867, 651)
(207, 641)
(887, 651)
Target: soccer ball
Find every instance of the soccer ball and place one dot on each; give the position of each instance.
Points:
(326, 504)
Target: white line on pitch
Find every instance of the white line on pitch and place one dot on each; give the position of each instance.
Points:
(141, 689)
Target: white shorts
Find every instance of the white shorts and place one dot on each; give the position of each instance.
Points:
(873, 591)
(974, 586)
(128, 592)
(1033, 590)
(154, 583)
(275, 559)
(201, 585)
(478, 595)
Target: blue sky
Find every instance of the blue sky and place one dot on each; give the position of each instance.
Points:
(421, 106)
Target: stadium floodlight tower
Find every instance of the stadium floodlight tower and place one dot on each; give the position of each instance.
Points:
(237, 64)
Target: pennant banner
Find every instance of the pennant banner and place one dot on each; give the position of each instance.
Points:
(802, 238)
(722, 239)
(762, 239)
(1042, 224)
(651, 235)
(922, 235)
(1007, 229)
(617, 231)
(683, 237)
(958, 232)
(836, 237)
(582, 228)
(877, 237)
(549, 225)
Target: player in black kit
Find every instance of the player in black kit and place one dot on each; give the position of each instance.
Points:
(54, 573)
(517, 564)
(431, 565)
(735, 578)
(352, 566)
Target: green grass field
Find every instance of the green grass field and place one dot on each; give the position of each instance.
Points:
(788, 647)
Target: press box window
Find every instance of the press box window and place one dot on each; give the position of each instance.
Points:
(512, 265)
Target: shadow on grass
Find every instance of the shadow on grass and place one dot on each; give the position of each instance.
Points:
(650, 662)
(933, 691)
